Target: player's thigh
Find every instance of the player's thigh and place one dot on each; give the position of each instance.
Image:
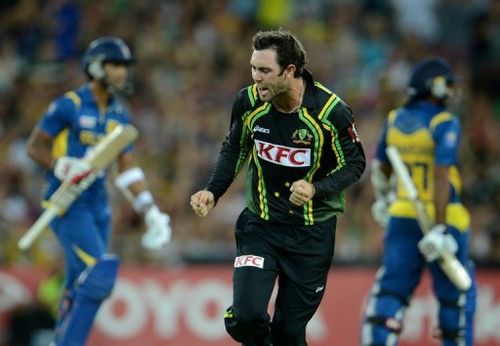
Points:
(304, 271)
(79, 236)
(255, 267)
(402, 263)
(252, 289)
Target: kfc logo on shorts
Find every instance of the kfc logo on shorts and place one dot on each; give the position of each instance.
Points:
(285, 156)
(249, 261)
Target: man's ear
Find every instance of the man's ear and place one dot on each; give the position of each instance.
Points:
(290, 71)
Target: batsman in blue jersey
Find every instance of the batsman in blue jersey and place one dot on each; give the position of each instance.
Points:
(71, 126)
(427, 136)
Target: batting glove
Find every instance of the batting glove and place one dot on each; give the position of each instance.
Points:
(380, 211)
(437, 241)
(67, 168)
(158, 230)
(76, 171)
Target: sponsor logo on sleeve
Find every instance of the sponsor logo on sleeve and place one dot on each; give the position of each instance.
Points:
(51, 109)
(353, 134)
(87, 121)
(249, 261)
(450, 139)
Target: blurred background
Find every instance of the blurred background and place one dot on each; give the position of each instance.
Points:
(193, 57)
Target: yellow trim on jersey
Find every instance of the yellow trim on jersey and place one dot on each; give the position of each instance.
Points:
(264, 210)
(392, 116)
(319, 140)
(73, 96)
(248, 120)
(322, 87)
(439, 118)
(327, 106)
(60, 146)
(252, 94)
(455, 179)
(85, 257)
(456, 214)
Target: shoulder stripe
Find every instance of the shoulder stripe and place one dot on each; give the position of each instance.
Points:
(322, 87)
(392, 116)
(332, 101)
(73, 96)
(440, 118)
(258, 111)
(252, 94)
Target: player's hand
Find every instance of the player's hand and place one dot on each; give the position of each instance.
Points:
(158, 229)
(202, 202)
(380, 211)
(302, 192)
(67, 168)
(75, 170)
(437, 241)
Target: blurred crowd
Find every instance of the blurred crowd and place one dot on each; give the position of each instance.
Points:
(193, 57)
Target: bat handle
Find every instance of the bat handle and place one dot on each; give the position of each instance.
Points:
(38, 227)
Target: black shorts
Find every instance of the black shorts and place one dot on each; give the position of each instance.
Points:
(298, 256)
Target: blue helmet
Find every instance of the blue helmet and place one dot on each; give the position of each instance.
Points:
(430, 77)
(105, 49)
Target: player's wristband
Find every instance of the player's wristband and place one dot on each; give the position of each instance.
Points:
(128, 177)
(142, 201)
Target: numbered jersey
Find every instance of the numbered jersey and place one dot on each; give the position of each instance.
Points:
(77, 125)
(425, 135)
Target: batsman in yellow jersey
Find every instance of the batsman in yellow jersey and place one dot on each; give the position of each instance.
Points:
(427, 137)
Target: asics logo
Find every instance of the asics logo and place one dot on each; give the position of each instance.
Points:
(257, 128)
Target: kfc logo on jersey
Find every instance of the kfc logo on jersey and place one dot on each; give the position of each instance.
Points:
(284, 156)
(353, 134)
(249, 261)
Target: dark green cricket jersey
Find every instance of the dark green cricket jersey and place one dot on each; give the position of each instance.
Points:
(317, 143)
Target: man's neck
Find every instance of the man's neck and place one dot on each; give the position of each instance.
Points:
(291, 100)
(101, 95)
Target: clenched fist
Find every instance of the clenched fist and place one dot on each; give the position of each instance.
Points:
(202, 202)
(302, 192)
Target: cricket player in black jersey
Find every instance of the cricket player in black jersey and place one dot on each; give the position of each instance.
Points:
(304, 152)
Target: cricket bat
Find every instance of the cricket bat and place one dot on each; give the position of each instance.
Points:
(450, 265)
(99, 158)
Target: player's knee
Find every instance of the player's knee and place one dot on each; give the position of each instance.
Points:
(97, 282)
(455, 324)
(378, 329)
(392, 325)
(249, 327)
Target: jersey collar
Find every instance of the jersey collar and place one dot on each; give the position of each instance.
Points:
(309, 100)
